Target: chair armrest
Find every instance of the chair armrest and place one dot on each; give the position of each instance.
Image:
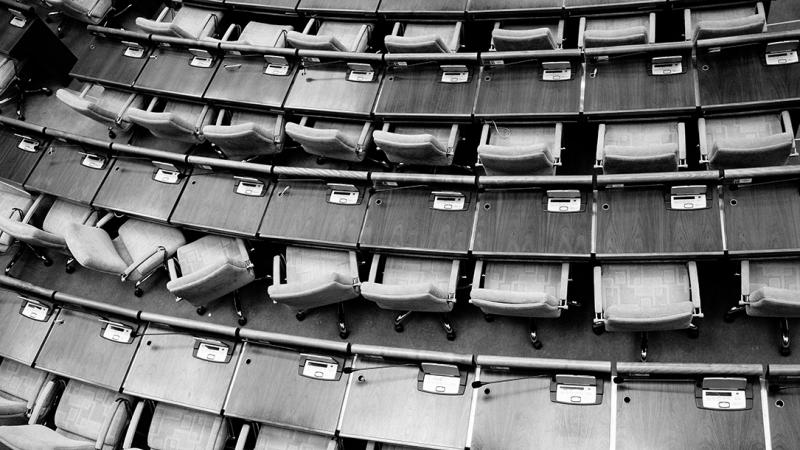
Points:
(454, 271)
(364, 138)
(682, 145)
(396, 29)
(244, 433)
(694, 285)
(786, 121)
(598, 292)
(104, 220)
(760, 11)
(702, 142)
(172, 269)
(279, 131)
(309, 26)
(220, 118)
(557, 144)
(37, 203)
(121, 114)
(198, 125)
(581, 31)
(688, 34)
(452, 141)
(560, 34)
(744, 275)
(43, 401)
(277, 273)
(152, 105)
(386, 127)
(564, 284)
(163, 14)
(104, 429)
(455, 39)
(135, 265)
(477, 275)
(600, 149)
(373, 268)
(484, 134)
(133, 425)
(351, 255)
(229, 32)
(651, 38)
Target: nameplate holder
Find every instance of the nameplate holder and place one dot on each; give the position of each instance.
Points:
(556, 71)
(454, 73)
(666, 65)
(448, 201)
(93, 161)
(441, 379)
(724, 394)
(564, 201)
(28, 144)
(133, 50)
(781, 53)
(310, 60)
(320, 367)
(116, 332)
(343, 194)
(35, 310)
(683, 198)
(251, 187)
(212, 351)
(576, 389)
(201, 58)
(276, 65)
(18, 18)
(360, 72)
(166, 173)
(496, 62)
(398, 64)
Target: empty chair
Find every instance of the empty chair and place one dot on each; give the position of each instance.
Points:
(178, 428)
(35, 232)
(413, 284)
(87, 11)
(264, 34)
(334, 139)
(611, 31)
(520, 149)
(424, 37)
(14, 206)
(270, 437)
(646, 297)
(510, 37)
(332, 35)
(533, 290)
(433, 145)
(750, 140)
(86, 418)
(770, 288)
(205, 270)
(187, 22)
(105, 105)
(724, 21)
(175, 120)
(139, 249)
(310, 278)
(243, 134)
(14, 87)
(19, 387)
(641, 147)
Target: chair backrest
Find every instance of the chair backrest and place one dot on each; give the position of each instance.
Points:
(533, 159)
(423, 149)
(328, 143)
(176, 428)
(84, 410)
(509, 40)
(274, 438)
(20, 381)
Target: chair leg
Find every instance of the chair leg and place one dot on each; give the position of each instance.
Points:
(785, 342)
(69, 267)
(733, 313)
(537, 344)
(342, 324)
(14, 258)
(693, 331)
(643, 348)
(300, 315)
(237, 305)
(137, 289)
(448, 327)
(398, 321)
(41, 256)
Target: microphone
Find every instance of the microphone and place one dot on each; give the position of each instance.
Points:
(480, 384)
(361, 379)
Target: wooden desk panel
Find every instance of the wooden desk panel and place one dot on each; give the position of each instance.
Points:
(17, 164)
(437, 7)
(168, 72)
(131, 189)
(268, 6)
(10, 35)
(784, 420)
(268, 389)
(517, 223)
(103, 60)
(303, 214)
(517, 90)
(60, 169)
(326, 89)
(248, 85)
(418, 91)
(519, 414)
(764, 217)
(663, 415)
(164, 369)
(387, 407)
(484, 7)
(627, 5)
(365, 7)
(623, 86)
(210, 202)
(20, 337)
(76, 349)
(402, 219)
(738, 76)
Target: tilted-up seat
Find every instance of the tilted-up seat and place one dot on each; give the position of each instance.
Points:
(330, 35)
(176, 120)
(612, 31)
(641, 147)
(14, 206)
(334, 139)
(105, 105)
(512, 36)
(749, 140)
(424, 37)
(20, 386)
(724, 21)
(187, 22)
(243, 134)
(418, 145)
(177, 428)
(520, 149)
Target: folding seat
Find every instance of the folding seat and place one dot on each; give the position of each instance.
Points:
(310, 278)
(748, 140)
(334, 139)
(175, 120)
(136, 253)
(413, 284)
(36, 233)
(14, 87)
(177, 428)
(622, 30)
(521, 289)
(426, 145)
(14, 205)
(20, 386)
(424, 37)
(86, 418)
(187, 22)
(724, 21)
(633, 147)
(205, 270)
(644, 297)
(105, 105)
(516, 36)
(770, 288)
(241, 135)
(270, 438)
(522, 149)
(332, 35)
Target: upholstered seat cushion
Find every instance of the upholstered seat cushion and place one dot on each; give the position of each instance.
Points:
(429, 43)
(708, 29)
(188, 22)
(422, 149)
(328, 143)
(265, 34)
(642, 158)
(670, 316)
(619, 36)
(242, 139)
(179, 121)
(11, 406)
(774, 302)
(325, 290)
(315, 42)
(19, 387)
(274, 438)
(93, 247)
(510, 303)
(101, 104)
(530, 159)
(424, 297)
(176, 428)
(510, 40)
(770, 150)
(39, 437)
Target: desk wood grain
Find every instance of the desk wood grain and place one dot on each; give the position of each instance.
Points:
(598, 5)
(339, 6)
(663, 415)
(325, 89)
(248, 85)
(519, 414)
(268, 389)
(20, 337)
(76, 349)
(736, 77)
(268, 6)
(168, 72)
(517, 223)
(164, 369)
(59, 171)
(16, 164)
(520, 6)
(784, 420)
(387, 407)
(418, 91)
(131, 189)
(422, 6)
(103, 60)
(637, 221)
(762, 217)
(210, 202)
(303, 214)
(403, 219)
